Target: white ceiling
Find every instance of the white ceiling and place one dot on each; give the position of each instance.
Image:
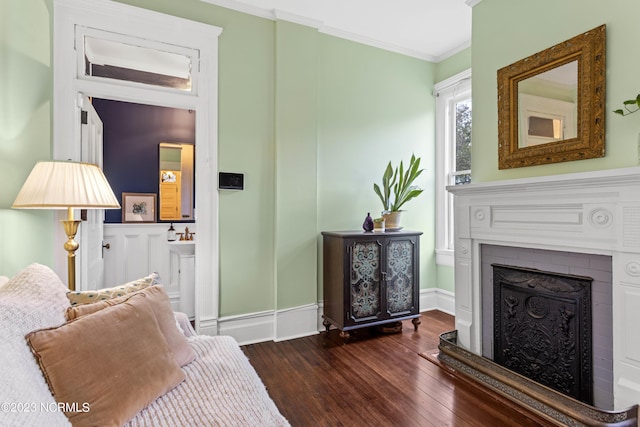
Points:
(426, 29)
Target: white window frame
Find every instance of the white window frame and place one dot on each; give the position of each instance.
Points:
(447, 92)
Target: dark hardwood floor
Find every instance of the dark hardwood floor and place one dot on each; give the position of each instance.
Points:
(376, 380)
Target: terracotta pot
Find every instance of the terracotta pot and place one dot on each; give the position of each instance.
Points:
(392, 220)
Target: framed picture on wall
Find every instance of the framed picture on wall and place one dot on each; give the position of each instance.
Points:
(138, 207)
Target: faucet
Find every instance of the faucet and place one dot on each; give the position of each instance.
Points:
(187, 234)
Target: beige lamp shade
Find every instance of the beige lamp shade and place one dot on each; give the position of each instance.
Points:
(66, 185)
(63, 185)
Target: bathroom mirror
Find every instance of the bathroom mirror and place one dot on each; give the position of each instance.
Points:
(551, 104)
(175, 183)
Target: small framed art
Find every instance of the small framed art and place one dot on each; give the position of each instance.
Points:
(138, 207)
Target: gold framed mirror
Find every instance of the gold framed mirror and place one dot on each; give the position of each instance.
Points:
(551, 104)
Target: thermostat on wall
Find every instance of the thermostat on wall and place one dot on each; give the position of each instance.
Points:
(230, 181)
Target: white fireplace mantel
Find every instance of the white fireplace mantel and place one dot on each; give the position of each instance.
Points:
(590, 212)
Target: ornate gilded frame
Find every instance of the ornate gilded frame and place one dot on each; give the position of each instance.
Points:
(589, 50)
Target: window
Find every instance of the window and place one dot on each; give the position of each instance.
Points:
(108, 56)
(453, 154)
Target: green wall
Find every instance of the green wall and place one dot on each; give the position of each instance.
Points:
(453, 65)
(296, 163)
(375, 106)
(25, 128)
(505, 31)
(310, 119)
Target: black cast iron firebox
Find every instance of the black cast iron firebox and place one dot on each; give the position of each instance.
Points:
(542, 328)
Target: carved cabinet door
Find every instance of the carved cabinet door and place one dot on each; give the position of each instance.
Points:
(400, 275)
(365, 281)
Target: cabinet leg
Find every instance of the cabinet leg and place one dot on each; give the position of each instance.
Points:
(416, 321)
(344, 335)
(326, 324)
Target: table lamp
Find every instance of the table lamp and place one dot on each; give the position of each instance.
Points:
(66, 185)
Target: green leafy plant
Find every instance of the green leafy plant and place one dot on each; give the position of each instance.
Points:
(627, 109)
(401, 182)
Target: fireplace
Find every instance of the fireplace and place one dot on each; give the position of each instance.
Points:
(591, 214)
(595, 266)
(542, 328)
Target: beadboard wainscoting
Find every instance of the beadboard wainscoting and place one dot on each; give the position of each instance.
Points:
(136, 250)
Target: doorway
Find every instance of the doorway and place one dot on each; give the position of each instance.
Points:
(139, 142)
(74, 21)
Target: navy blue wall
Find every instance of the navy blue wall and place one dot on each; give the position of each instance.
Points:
(132, 133)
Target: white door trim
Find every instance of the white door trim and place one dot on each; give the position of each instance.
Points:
(91, 266)
(141, 23)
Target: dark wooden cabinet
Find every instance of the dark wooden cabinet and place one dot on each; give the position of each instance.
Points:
(370, 278)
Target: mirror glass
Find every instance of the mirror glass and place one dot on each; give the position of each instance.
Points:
(175, 182)
(551, 104)
(547, 106)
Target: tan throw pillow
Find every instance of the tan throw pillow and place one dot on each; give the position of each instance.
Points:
(107, 366)
(88, 297)
(161, 306)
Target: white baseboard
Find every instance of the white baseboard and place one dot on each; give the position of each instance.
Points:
(301, 321)
(271, 325)
(437, 299)
(428, 299)
(296, 322)
(248, 328)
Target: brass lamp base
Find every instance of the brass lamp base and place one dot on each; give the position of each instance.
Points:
(70, 229)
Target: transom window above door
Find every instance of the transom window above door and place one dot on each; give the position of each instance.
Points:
(111, 56)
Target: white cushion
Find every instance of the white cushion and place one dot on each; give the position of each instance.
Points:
(221, 389)
(35, 298)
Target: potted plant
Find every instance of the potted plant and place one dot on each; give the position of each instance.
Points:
(378, 225)
(400, 181)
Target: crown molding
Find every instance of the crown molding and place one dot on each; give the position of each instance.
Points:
(244, 8)
(281, 15)
(452, 52)
(276, 14)
(319, 25)
(336, 32)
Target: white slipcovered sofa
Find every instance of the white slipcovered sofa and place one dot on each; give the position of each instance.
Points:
(217, 386)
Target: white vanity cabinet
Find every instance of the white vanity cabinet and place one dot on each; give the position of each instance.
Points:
(185, 251)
